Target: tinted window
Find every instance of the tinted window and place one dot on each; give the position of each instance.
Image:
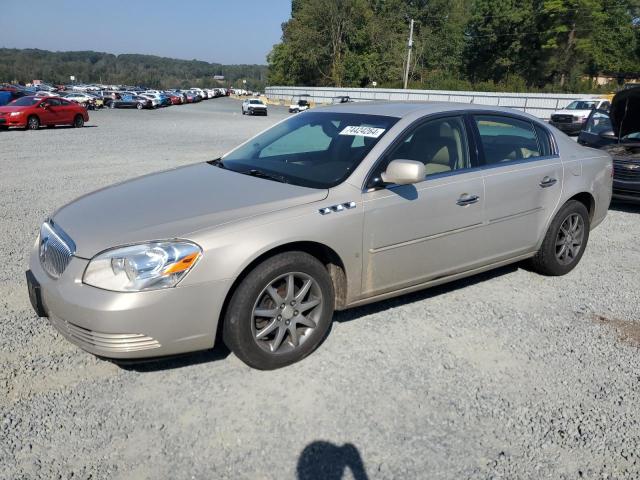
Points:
(544, 140)
(65, 102)
(25, 102)
(440, 144)
(314, 149)
(54, 102)
(582, 105)
(599, 122)
(506, 139)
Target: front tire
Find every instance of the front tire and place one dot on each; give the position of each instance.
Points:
(33, 123)
(280, 312)
(78, 121)
(565, 241)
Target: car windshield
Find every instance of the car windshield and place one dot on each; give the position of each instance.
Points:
(582, 105)
(255, 102)
(600, 123)
(25, 102)
(313, 149)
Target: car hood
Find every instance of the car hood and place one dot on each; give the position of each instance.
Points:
(625, 112)
(9, 109)
(173, 204)
(574, 113)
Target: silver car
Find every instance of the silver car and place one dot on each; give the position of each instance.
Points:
(333, 208)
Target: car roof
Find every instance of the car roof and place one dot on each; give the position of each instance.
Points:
(401, 109)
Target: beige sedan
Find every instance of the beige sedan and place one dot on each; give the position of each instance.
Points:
(333, 208)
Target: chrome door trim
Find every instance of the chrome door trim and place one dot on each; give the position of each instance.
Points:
(425, 239)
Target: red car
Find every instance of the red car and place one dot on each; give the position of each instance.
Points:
(176, 99)
(32, 112)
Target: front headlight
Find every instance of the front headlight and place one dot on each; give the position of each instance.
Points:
(148, 266)
(15, 114)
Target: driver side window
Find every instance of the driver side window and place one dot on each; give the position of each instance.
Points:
(440, 144)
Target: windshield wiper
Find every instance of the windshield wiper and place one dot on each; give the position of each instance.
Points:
(269, 176)
(216, 163)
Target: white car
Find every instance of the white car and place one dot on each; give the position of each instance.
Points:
(254, 106)
(200, 92)
(573, 117)
(156, 101)
(299, 104)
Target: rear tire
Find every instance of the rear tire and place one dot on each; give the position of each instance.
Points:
(33, 123)
(78, 121)
(139, 106)
(280, 312)
(565, 241)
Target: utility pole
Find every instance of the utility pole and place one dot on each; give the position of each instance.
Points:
(410, 46)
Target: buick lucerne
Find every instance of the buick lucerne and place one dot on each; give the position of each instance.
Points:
(333, 208)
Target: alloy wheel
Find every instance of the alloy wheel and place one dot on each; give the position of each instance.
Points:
(286, 312)
(570, 239)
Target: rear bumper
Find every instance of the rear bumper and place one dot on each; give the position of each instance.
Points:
(128, 325)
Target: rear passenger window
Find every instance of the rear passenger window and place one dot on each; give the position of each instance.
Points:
(506, 139)
(544, 141)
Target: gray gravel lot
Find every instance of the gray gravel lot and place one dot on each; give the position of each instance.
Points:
(505, 375)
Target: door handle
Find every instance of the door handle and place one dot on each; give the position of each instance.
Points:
(548, 182)
(467, 199)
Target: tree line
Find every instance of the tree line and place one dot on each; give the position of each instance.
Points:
(514, 45)
(26, 65)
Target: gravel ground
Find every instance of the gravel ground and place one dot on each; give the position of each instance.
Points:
(504, 375)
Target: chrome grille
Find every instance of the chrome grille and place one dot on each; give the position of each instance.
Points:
(626, 171)
(562, 118)
(56, 249)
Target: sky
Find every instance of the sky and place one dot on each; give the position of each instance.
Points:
(222, 31)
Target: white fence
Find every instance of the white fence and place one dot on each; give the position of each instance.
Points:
(541, 105)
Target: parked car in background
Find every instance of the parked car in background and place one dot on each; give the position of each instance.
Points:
(573, 117)
(85, 99)
(300, 104)
(156, 101)
(45, 94)
(175, 98)
(33, 112)
(254, 106)
(334, 208)
(618, 133)
(341, 99)
(131, 101)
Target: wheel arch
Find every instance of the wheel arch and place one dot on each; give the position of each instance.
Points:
(323, 253)
(588, 200)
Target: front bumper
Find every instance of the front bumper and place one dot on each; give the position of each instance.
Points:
(624, 190)
(573, 127)
(17, 121)
(128, 325)
(626, 180)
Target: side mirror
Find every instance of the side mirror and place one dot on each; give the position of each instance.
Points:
(404, 172)
(44, 106)
(609, 135)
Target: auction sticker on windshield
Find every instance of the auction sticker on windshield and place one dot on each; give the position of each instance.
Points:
(363, 131)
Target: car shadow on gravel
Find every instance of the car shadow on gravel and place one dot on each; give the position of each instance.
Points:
(219, 352)
(325, 461)
(373, 308)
